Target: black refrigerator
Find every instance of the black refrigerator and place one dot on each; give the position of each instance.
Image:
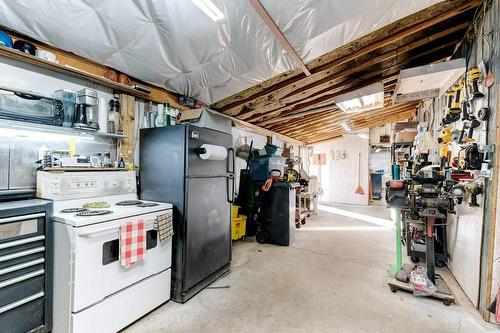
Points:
(201, 191)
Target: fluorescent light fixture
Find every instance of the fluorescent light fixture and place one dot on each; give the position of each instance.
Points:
(365, 99)
(346, 126)
(209, 9)
(427, 81)
(363, 136)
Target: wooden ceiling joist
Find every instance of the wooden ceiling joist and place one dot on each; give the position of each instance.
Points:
(303, 107)
(278, 34)
(391, 33)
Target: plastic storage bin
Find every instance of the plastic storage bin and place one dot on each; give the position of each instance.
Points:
(261, 166)
(238, 227)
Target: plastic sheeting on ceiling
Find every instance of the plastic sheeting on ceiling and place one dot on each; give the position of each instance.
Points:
(172, 43)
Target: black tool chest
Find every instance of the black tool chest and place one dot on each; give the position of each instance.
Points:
(25, 266)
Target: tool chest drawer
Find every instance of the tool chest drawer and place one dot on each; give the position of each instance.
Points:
(21, 287)
(25, 266)
(25, 316)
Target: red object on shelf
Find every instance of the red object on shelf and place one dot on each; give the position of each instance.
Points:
(461, 175)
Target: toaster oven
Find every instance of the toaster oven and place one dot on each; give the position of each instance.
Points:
(30, 107)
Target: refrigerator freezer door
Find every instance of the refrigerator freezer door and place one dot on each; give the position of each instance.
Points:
(208, 232)
(196, 166)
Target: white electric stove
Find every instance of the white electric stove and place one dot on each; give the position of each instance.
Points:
(92, 291)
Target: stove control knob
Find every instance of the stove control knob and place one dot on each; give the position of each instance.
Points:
(55, 181)
(55, 190)
(114, 183)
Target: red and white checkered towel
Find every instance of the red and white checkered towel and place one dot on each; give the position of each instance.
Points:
(132, 242)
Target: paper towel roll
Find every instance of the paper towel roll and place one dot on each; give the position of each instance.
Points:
(213, 152)
(102, 116)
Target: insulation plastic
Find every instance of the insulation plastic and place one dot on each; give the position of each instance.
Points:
(172, 43)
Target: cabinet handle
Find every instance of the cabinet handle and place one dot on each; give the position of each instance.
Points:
(22, 253)
(21, 241)
(23, 301)
(21, 278)
(21, 266)
(21, 217)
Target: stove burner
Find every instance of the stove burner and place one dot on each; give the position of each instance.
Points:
(94, 212)
(147, 204)
(129, 203)
(73, 210)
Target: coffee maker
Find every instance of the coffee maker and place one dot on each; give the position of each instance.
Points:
(86, 110)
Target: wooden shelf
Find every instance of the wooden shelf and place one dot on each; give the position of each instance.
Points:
(70, 71)
(77, 169)
(57, 129)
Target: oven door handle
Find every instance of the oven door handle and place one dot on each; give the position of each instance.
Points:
(108, 230)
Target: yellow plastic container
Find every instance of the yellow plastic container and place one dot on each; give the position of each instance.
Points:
(238, 227)
(235, 211)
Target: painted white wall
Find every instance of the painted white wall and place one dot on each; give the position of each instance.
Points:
(339, 177)
(239, 135)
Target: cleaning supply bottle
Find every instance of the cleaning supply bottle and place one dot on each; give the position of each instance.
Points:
(121, 162)
(159, 117)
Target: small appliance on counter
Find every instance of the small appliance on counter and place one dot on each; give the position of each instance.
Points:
(200, 185)
(86, 116)
(114, 116)
(98, 286)
(30, 106)
(25, 263)
(68, 99)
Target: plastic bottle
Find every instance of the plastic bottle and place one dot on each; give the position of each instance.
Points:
(159, 117)
(121, 162)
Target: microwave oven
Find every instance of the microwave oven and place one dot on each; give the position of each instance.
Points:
(30, 107)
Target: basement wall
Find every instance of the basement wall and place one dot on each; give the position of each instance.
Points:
(339, 177)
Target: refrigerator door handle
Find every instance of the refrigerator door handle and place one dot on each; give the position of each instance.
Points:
(230, 188)
(231, 161)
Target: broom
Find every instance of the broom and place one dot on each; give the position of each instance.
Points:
(359, 189)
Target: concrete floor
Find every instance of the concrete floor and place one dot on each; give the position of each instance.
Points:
(333, 279)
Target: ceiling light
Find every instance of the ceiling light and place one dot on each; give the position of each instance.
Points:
(210, 9)
(363, 136)
(427, 81)
(365, 99)
(377, 150)
(346, 127)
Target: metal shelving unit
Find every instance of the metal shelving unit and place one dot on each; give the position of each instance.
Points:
(57, 129)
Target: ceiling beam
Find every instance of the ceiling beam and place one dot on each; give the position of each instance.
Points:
(398, 30)
(315, 83)
(278, 34)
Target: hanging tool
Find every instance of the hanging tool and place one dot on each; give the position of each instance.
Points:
(444, 139)
(473, 77)
(457, 99)
(483, 114)
(359, 189)
(465, 110)
(474, 189)
(470, 158)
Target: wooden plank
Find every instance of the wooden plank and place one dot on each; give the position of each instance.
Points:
(387, 117)
(489, 237)
(263, 131)
(278, 34)
(362, 46)
(127, 115)
(73, 65)
(320, 81)
(443, 292)
(338, 117)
